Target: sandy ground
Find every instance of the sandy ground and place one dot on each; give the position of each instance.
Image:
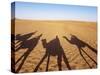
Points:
(55, 45)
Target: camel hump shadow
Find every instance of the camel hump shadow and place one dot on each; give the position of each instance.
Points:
(53, 47)
(25, 42)
(31, 43)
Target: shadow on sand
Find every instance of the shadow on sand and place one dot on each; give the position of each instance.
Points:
(12, 53)
(53, 48)
(25, 43)
(21, 39)
(81, 44)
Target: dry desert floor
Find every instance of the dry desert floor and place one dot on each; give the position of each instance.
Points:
(55, 45)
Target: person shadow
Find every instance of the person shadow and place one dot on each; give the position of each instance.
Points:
(80, 45)
(53, 48)
(28, 44)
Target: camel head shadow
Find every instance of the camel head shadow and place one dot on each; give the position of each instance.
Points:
(53, 47)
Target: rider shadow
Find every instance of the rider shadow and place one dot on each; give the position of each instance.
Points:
(28, 44)
(81, 44)
(53, 48)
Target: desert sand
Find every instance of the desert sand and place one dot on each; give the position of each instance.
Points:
(55, 45)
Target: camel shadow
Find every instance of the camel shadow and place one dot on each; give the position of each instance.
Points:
(81, 44)
(26, 43)
(53, 48)
(21, 39)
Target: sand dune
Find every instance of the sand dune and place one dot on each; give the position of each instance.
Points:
(55, 45)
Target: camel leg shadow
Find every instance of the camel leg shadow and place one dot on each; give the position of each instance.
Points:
(80, 50)
(22, 62)
(66, 61)
(48, 62)
(41, 61)
(84, 58)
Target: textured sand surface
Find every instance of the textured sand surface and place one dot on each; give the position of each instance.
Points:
(68, 45)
